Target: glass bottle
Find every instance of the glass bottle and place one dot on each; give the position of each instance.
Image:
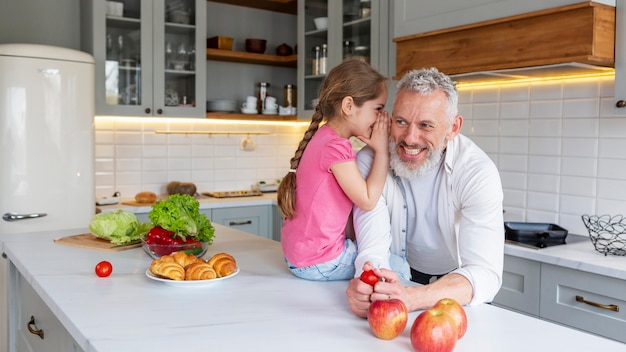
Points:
(324, 60)
(262, 93)
(348, 47)
(315, 60)
(290, 96)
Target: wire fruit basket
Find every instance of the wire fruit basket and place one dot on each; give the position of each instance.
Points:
(607, 233)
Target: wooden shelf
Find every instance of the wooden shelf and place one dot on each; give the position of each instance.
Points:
(284, 6)
(252, 58)
(258, 117)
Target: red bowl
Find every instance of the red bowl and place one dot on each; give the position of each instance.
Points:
(257, 46)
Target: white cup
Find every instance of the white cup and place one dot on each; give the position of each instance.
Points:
(270, 103)
(250, 103)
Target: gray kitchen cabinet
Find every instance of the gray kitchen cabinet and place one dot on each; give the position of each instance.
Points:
(150, 57)
(277, 223)
(32, 325)
(415, 17)
(251, 219)
(521, 284)
(583, 300)
(590, 302)
(365, 29)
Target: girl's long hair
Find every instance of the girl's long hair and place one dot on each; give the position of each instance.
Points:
(351, 78)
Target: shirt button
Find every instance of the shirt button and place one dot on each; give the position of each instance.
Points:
(403, 230)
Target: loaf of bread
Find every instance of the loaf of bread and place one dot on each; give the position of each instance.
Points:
(145, 197)
(200, 270)
(224, 264)
(176, 187)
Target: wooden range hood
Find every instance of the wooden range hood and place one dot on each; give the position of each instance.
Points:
(573, 39)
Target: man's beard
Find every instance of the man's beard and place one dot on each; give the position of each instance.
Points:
(400, 167)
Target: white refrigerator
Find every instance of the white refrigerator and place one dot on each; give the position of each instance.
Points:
(46, 144)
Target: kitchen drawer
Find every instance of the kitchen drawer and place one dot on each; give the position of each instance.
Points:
(252, 219)
(521, 286)
(559, 288)
(31, 305)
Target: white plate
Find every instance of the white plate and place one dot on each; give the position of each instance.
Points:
(270, 112)
(189, 283)
(249, 112)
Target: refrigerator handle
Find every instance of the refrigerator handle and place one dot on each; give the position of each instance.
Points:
(15, 216)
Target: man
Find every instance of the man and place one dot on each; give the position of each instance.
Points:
(441, 209)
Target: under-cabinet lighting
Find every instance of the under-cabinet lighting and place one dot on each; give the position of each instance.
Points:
(501, 82)
(197, 121)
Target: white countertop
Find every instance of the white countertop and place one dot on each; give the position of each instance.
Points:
(263, 308)
(205, 203)
(579, 256)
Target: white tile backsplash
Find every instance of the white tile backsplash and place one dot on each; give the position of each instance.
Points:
(560, 151)
(131, 157)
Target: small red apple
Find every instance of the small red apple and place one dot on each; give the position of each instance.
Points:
(433, 331)
(456, 311)
(387, 318)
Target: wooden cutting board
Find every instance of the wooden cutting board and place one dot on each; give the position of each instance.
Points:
(88, 240)
(137, 204)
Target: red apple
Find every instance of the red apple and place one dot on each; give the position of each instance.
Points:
(388, 318)
(433, 331)
(456, 311)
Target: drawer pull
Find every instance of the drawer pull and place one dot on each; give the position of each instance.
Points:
(33, 329)
(239, 223)
(603, 306)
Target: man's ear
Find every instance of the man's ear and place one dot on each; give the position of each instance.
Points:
(456, 127)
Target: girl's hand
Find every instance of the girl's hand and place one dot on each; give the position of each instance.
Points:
(379, 139)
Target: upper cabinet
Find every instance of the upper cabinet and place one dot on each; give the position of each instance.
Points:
(352, 29)
(150, 56)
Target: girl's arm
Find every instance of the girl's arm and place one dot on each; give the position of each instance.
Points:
(365, 193)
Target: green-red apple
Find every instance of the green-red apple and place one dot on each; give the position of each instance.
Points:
(387, 318)
(433, 331)
(456, 311)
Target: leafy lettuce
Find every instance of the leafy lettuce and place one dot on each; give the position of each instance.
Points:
(119, 227)
(180, 213)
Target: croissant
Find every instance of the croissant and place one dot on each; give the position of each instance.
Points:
(185, 259)
(200, 270)
(224, 264)
(168, 269)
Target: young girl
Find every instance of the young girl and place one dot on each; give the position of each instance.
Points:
(317, 195)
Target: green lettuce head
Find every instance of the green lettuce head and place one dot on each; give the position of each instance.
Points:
(119, 227)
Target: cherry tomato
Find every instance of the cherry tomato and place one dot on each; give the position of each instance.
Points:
(369, 277)
(104, 269)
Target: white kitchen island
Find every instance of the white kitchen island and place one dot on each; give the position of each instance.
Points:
(263, 308)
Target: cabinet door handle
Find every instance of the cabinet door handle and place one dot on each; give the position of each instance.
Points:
(32, 328)
(603, 306)
(238, 223)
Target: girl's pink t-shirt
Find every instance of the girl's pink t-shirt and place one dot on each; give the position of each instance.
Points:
(316, 234)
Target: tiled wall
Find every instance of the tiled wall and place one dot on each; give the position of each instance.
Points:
(559, 147)
(131, 157)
